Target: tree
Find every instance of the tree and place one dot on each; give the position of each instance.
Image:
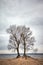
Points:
(27, 39)
(14, 40)
(20, 35)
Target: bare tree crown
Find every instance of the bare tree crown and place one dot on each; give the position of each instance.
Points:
(20, 35)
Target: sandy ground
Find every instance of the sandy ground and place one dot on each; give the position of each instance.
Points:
(21, 61)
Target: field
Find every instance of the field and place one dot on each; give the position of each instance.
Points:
(21, 61)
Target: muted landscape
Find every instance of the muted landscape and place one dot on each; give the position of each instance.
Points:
(21, 32)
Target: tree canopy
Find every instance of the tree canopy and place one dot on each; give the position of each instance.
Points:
(20, 35)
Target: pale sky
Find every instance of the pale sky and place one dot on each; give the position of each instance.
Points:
(21, 12)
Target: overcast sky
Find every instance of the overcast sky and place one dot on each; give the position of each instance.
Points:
(21, 12)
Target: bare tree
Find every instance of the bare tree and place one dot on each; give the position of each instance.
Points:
(20, 35)
(27, 39)
(14, 38)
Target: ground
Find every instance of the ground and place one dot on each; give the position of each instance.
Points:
(21, 61)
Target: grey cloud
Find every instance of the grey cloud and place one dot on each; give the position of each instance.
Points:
(10, 7)
(2, 39)
(4, 47)
(30, 11)
(3, 42)
(2, 26)
(37, 21)
(26, 12)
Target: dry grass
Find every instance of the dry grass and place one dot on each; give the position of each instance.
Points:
(21, 61)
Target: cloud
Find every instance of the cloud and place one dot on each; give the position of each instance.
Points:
(4, 40)
(21, 12)
(6, 52)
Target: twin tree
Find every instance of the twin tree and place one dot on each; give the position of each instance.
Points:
(20, 35)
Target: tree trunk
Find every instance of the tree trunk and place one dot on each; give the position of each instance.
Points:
(18, 51)
(24, 49)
